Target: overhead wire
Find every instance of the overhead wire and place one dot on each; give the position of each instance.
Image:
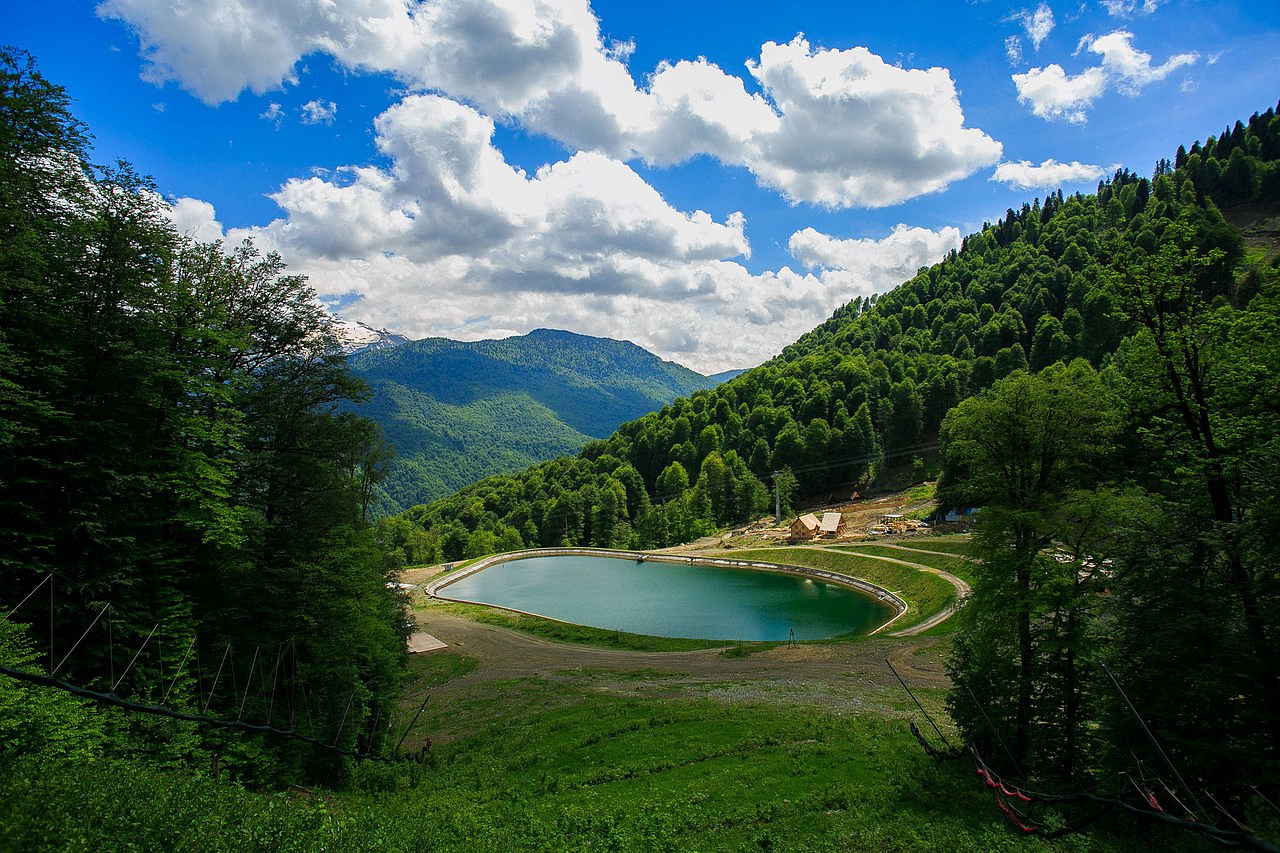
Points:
(113, 700)
(54, 671)
(1150, 809)
(135, 657)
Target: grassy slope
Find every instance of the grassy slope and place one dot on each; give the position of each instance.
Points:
(954, 565)
(925, 593)
(564, 632)
(560, 766)
(951, 546)
(563, 768)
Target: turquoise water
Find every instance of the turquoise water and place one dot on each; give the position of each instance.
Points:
(673, 599)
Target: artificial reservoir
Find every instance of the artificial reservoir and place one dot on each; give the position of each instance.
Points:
(668, 599)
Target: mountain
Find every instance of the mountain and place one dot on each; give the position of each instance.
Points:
(1043, 284)
(1100, 373)
(457, 412)
(725, 376)
(357, 337)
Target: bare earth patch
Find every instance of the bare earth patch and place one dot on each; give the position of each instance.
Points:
(845, 676)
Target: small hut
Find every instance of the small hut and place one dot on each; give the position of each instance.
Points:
(832, 525)
(805, 527)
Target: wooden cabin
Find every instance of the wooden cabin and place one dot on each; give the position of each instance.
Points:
(832, 525)
(805, 527)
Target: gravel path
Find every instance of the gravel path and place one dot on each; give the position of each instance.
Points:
(843, 676)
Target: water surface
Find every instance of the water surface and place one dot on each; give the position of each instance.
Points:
(673, 599)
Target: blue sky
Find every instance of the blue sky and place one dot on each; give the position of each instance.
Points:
(709, 180)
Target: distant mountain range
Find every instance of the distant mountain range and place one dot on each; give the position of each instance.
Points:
(358, 337)
(458, 412)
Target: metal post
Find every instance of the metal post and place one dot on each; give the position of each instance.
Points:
(777, 500)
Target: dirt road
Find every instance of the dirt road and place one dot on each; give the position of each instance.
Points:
(844, 676)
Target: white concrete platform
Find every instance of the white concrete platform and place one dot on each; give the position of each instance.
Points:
(421, 641)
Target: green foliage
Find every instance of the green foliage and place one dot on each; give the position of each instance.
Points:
(458, 412)
(1148, 559)
(36, 721)
(177, 464)
(1031, 290)
(570, 771)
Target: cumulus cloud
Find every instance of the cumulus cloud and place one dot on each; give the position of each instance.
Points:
(1024, 175)
(1130, 68)
(195, 219)
(319, 111)
(1054, 94)
(444, 237)
(877, 264)
(856, 130)
(838, 128)
(449, 239)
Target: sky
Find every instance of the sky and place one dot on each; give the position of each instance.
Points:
(709, 180)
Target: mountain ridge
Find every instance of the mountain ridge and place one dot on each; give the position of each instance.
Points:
(458, 411)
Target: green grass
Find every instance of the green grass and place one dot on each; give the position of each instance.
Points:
(950, 544)
(563, 632)
(925, 593)
(558, 767)
(921, 492)
(956, 566)
(431, 669)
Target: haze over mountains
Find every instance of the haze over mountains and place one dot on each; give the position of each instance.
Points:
(457, 412)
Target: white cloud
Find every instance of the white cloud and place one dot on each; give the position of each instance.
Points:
(838, 128)
(1054, 94)
(216, 50)
(1013, 49)
(274, 113)
(451, 240)
(878, 264)
(319, 111)
(1050, 174)
(1037, 24)
(856, 130)
(195, 219)
(1129, 67)
(1128, 8)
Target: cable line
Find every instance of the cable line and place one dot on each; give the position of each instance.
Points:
(161, 711)
(135, 657)
(81, 640)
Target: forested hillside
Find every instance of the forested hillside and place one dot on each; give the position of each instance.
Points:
(185, 494)
(1037, 287)
(1100, 373)
(182, 498)
(457, 412)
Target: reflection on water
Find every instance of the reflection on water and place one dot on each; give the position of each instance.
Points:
(673, 599)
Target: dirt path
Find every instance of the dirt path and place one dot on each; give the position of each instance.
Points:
(845, 676)
(921, 551)
(849, 676)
